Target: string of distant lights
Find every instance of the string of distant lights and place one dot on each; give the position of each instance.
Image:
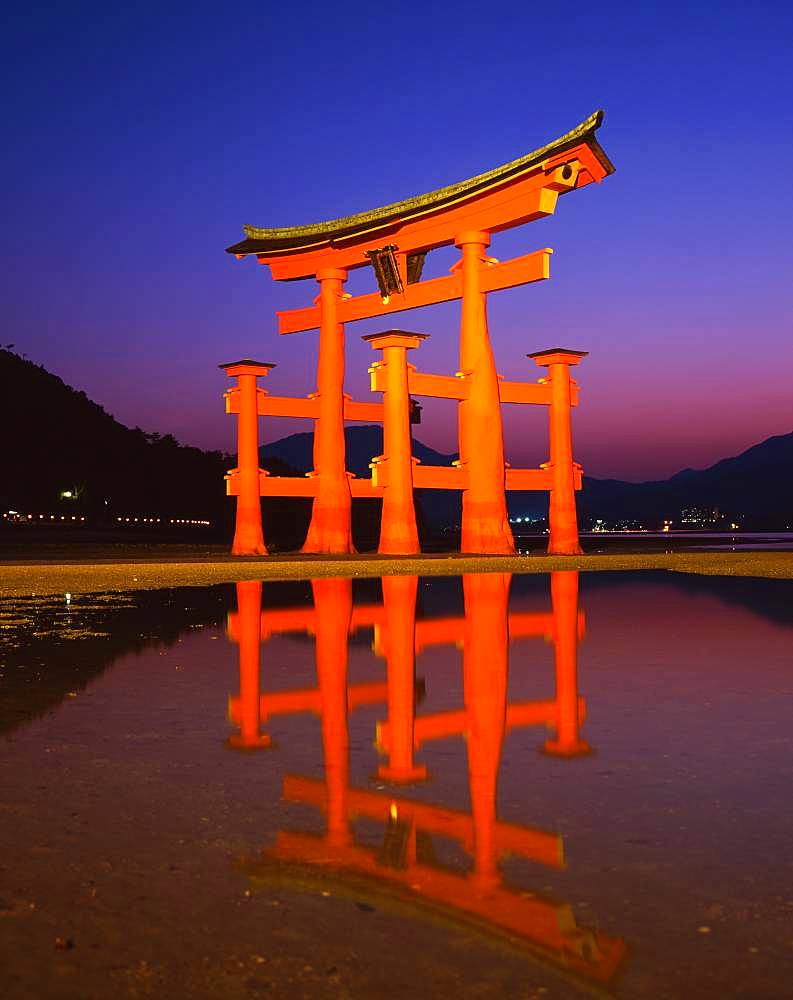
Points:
(173, 520)
(17, 517)
(13, 515)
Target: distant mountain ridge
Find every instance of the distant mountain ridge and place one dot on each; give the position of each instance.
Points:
(363, 441)
(756, 486)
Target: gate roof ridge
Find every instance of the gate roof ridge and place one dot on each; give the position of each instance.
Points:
(299, 238)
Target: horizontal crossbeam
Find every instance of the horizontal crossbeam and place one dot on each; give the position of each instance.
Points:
(455, 477)
(493, 277)
(442, 725)
(278, 621)
(457, 387)
(298, 486)
(304, 406)
(508, 838)
(309, 700)
(513, 205)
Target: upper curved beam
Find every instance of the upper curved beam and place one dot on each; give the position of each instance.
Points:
(298, 239)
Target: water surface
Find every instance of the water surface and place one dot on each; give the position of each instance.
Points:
(536, 787)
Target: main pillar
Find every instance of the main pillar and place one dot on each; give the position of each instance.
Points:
(562, 518)
(485, 525)
(248, 537)
(564, 598)
(330, 529)
(398, 533)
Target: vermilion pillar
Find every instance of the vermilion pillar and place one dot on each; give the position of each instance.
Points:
(398, 534)
(333, 603)
(485, 523)
(330, 529)
(485, 667)
(245, 626)
(564, 598)
(562, 519)
(248, 537)
(399, 645)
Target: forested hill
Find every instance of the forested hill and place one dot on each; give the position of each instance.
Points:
(54, 438)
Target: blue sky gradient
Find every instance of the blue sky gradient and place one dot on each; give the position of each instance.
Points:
(139, 140)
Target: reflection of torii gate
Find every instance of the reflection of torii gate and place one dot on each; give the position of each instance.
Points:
(395, 240)
(406, 860)
(399, 637)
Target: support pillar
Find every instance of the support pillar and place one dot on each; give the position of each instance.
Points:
(248, 537)
(485, 525)
(485, 669)
(245, 626)
(562, 518)
(398, 533)
(399, 635)
(564, 598)
(333, 604)
(331, 517)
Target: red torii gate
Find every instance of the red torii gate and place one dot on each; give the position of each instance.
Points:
(395, 240)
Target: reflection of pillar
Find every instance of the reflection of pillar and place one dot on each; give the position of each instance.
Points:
(330, 528)
(562, 520)
(398, 521)
(485, 665)
(485, 523)
(333, 604)
(564, 597)
(248, 538)
(399, 601)
(247, 629)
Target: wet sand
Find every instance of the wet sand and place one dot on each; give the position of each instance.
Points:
(132, 569)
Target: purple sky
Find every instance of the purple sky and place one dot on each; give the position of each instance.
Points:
(139, 140)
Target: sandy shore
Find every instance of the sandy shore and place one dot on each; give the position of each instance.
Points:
(19, 578)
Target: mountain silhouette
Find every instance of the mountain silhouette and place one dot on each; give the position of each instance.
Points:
(755, 488)
(436, 510)
(362, 443)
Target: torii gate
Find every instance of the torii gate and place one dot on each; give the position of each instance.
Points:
(395, 240)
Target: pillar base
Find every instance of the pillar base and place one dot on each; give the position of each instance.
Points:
(261, 742)
(486, 529)
(564, 549)
(402, 775)
(241, 549)
(553, 748)
(399, 545)
(329, 532)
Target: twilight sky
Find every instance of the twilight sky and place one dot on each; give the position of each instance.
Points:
(138, 140)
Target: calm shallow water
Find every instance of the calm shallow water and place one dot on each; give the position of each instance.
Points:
(549, 787)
